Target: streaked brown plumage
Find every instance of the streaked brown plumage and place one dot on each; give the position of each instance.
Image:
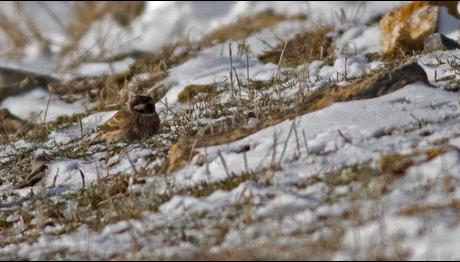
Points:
(38, 171)
(10, 124)
(138, 120)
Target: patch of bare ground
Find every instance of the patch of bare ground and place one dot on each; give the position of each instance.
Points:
(323, 249)
(367, 87)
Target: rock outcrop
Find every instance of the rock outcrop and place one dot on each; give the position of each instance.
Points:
(405, 29)
(439, 41)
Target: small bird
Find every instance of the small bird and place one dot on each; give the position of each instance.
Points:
(38, 171)
(10, 124)
(138, 120)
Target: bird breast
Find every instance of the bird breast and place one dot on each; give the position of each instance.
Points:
(147, 124)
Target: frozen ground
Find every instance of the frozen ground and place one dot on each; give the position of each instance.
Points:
(364, 179)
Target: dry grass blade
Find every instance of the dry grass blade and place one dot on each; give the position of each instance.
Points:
(303, 48)
(291, 129)
(46, 109)
(232, 85)
(224, 164)
(29, 123)
(276, 77)
(82, 178)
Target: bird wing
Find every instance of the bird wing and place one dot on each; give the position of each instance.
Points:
(120, 120)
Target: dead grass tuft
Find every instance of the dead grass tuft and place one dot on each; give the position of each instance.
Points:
(419, 209)
(322, 249)
(377, 85)
(15, 33)
(189, 92)
(22, 28)
(111, 91)
(395, 164)
(166, 57)
(303, 48)
(246, 26)
(87, 13)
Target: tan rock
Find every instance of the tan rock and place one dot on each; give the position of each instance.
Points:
(439, 41)
(406, 28)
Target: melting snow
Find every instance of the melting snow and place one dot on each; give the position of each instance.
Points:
(41, 106)
(412, 119)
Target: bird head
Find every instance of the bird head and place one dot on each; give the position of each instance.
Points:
(142, 104)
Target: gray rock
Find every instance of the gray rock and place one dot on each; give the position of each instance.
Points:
(439, 41)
